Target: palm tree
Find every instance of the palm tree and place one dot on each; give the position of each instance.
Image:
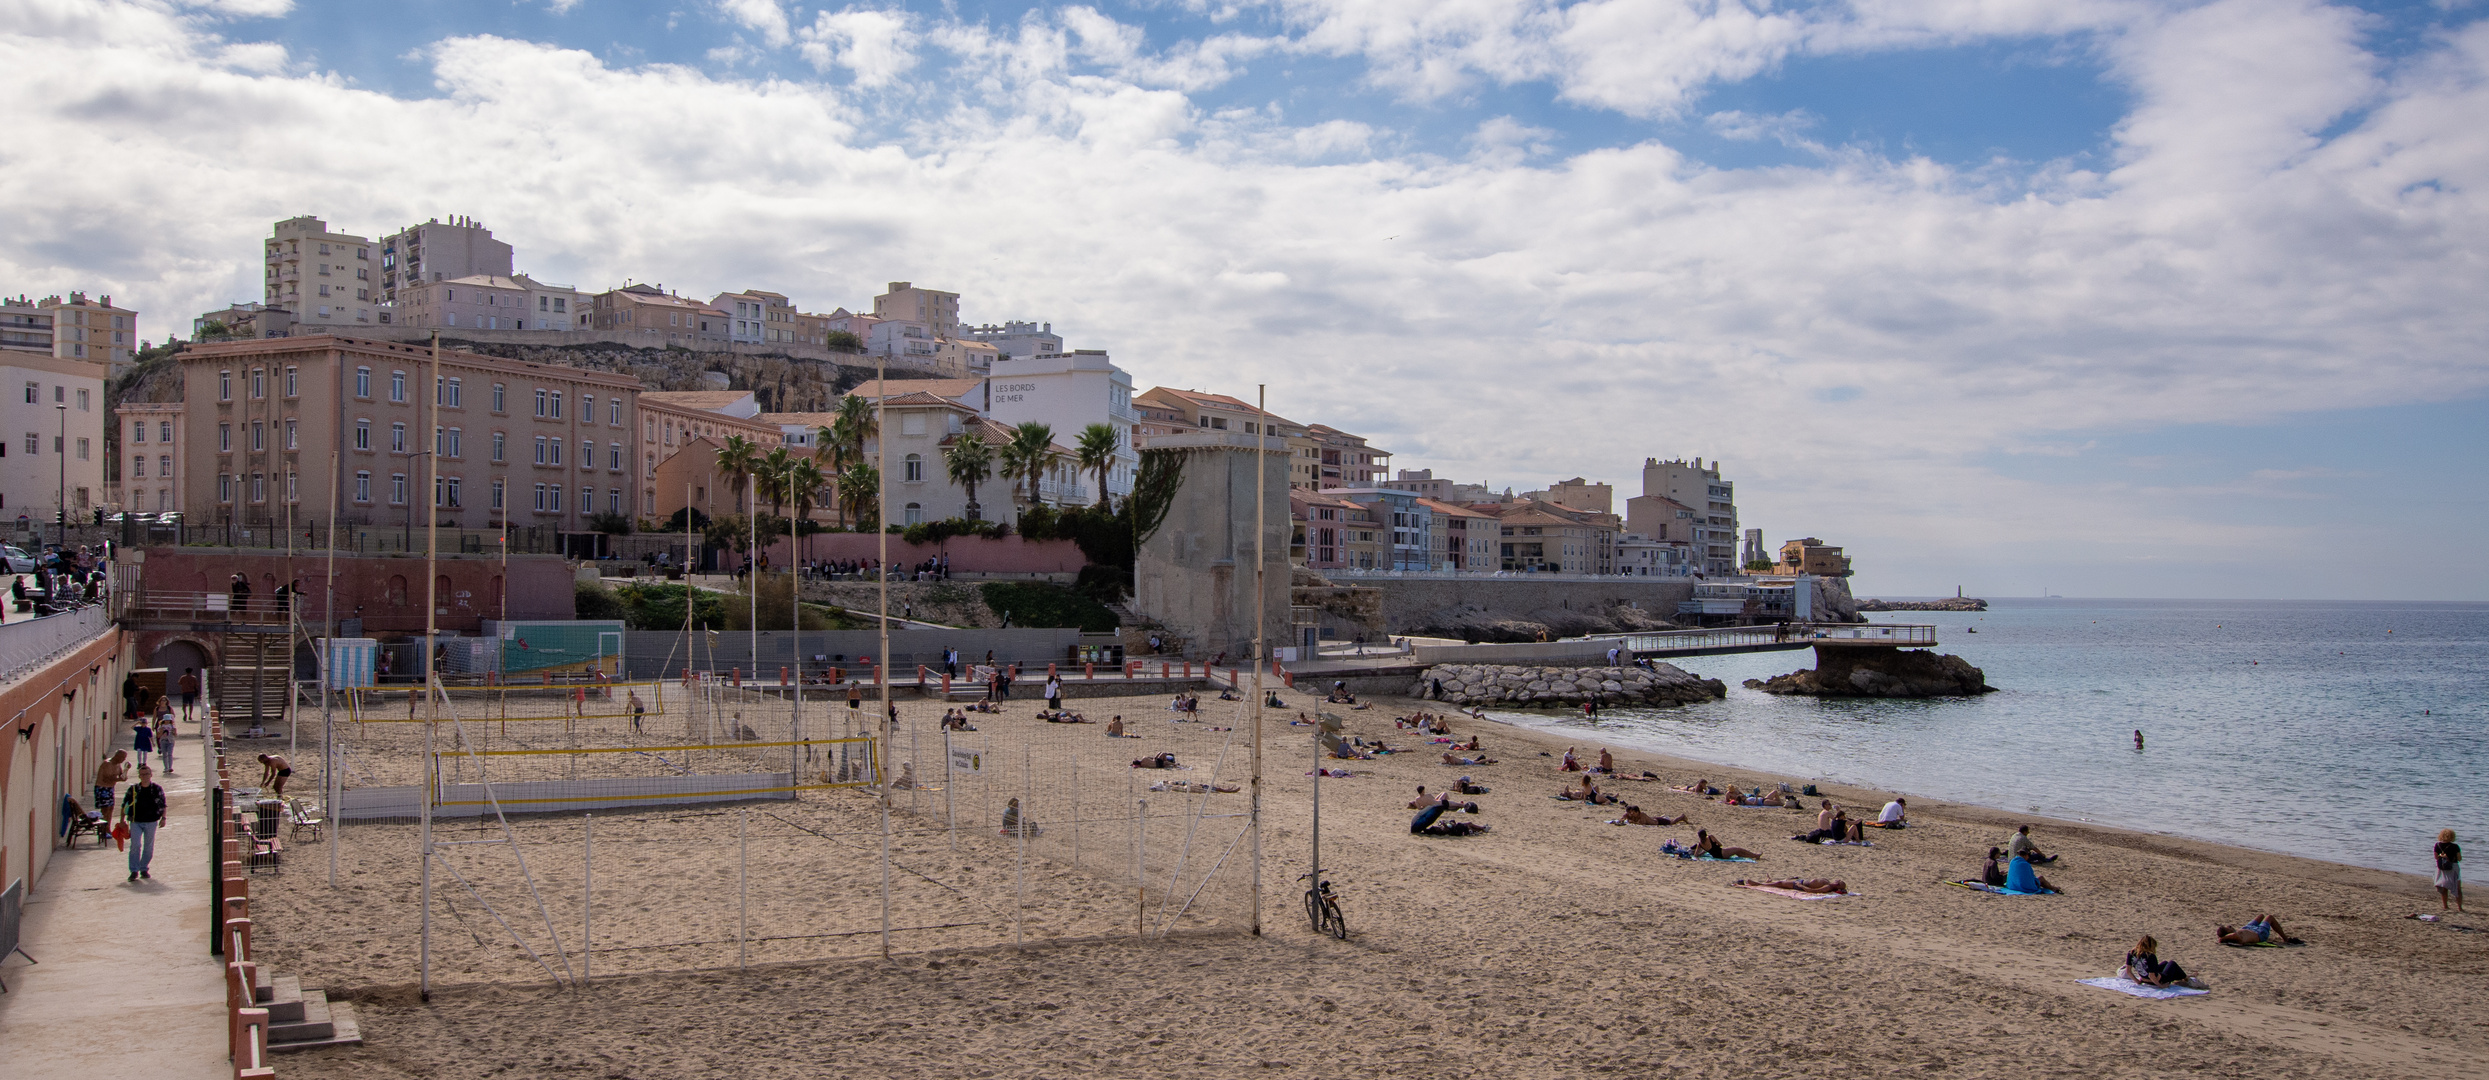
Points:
(859, 493)
(737, 459)
(773, 472)
(855, 425)
(969, 461)
(1098, 443)
(804, 481)
(1026, 455)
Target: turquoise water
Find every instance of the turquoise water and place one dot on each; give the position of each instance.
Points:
(2347, 731)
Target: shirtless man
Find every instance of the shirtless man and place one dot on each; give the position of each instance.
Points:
(1634, 815)
(1829, 886)
(108, 775)
(638, 708)
(1115, 728)
(1607, 761)
(2258, 931)
(273, 771)
(1707, 844)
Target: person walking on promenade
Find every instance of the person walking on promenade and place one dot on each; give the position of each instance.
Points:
(143, 809)
(2449, 870)
(189, 687)
(108, 776)
(164, 736)
(143, 740)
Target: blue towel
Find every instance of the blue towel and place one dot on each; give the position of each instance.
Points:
(2020, 878)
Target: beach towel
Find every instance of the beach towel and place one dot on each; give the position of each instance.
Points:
(2131, 988)
(1981, 886)
(1846, 843)
(1793, 894)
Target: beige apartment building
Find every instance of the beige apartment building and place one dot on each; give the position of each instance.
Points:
(672, 421)
(325, 278)
(272, 427)
(438, 251)
(76, 328)
(151, 456)
(51, 436)
(1689, 484)
(658, 317)
(1165, 410)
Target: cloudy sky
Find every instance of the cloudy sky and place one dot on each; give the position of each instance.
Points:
(2106, 297)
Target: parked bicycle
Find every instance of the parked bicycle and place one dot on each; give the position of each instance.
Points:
(1322, 909)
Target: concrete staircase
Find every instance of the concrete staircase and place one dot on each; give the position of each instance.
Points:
(300, 1019)
(1134, 631)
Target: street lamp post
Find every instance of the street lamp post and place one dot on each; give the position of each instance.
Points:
(61, 450)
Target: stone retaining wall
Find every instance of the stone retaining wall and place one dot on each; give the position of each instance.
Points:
(1559, 687)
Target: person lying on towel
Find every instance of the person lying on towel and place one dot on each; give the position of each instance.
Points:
(1426, 823)
(2258, 931)
(1826, 886)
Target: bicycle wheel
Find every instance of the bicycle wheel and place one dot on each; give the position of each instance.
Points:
(1331, 921)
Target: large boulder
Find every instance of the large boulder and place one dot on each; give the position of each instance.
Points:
(1888, 673)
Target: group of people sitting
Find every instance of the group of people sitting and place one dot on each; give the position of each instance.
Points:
(1340, 694)
(1185, 704)
(1832, 823)
(956, 720)
(1424, 800)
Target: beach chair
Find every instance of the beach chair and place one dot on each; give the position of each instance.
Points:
(303, 815)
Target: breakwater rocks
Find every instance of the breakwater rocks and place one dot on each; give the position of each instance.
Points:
(1888, 673)
(1558, 687)
(1950, 603)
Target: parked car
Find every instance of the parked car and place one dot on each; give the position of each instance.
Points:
(17, 560)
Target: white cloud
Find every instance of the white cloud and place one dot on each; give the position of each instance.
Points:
(1501, 317)
(875, 46)
(764, 17)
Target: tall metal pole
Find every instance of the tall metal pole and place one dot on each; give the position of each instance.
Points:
(328, 665)
(795, 629)
(61, 450)
(881, 527)
(1261, 480)
(431, 774)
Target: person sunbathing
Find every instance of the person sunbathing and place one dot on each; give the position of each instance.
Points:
(1423, 800)
(2144, 965)
(1570, 763)
(1607, 762)
(2019, 877)
(1634, 815)
(1161, 761)
(1707, 844)
(1428, 823)
(1229, 695)
(1450, 760)
(1824, 886)
(1700, 786)
(1467, 788)
(1759, 797)
(1471, 745)
(2257, 931)
(1115, 728)
(1588, 793)
(1063, 717)
(1441, 727)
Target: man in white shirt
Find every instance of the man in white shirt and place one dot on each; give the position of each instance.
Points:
(1891, 818)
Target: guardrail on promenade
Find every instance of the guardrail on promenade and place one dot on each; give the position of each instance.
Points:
(27, 645)
(1791, 635)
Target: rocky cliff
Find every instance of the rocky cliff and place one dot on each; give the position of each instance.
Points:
(1893, 673)
(1559, 687)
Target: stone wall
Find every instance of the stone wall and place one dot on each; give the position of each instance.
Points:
(1514, 608)
(1559, 687)
(1195, 575)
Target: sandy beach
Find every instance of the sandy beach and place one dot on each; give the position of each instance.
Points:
(1556, 945)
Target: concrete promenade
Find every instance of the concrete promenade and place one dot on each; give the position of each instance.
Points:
(125, 986)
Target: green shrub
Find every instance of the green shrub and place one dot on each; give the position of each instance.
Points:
(1044, 604)
(592, 600)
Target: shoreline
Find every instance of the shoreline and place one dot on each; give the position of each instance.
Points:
(2054, 817)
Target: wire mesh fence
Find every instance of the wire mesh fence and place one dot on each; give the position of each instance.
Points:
(1002, 828)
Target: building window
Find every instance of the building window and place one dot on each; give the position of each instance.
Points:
(224, 387)
(613, 412)
(554, 407)
(164, 431)
(613, 500)
(224, 487)
(259, 436)
(499, 441)
(362, 382)
(397, 489)
(540, 498)
(915, 513)
(540, 400)
(587, 458)
(553, 451)
(224, 440)
(914, 468)
(138, 432)
(290, 442)
(259, 487)
(397, 438)
(540, 449)
(448, 394)
(82, 448)
(447, 443)
(164, 465)
(291, 488)
(138, 467)
(397, 387)
(293, 382)
(445, 492)
(587, 500)
(34, 393)
(259, 387)
(497, 489)
(362, 434)
(500, 397)
(613, 456)
(82, 400)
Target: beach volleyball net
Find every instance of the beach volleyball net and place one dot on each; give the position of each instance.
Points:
(725, 826)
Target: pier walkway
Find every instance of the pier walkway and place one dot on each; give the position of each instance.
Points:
(1746, 639)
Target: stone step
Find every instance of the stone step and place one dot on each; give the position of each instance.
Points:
(285, 1005)
(263, 988)
(316, 1021)
(344, 1030)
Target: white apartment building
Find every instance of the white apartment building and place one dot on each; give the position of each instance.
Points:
(1068, 392)
(73, 329)
(1018, 340)
(325, 278)
(436, 251)
(1688, 485)
(151, 448)
(51, 436)
(756, 317)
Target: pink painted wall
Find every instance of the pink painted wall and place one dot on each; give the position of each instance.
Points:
(969, 554)
(389, 589)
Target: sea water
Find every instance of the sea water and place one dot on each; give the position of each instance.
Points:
(2345, 731)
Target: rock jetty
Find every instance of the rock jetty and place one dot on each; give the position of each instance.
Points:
(1560, 687)
(1950, 603)
(1895, 673)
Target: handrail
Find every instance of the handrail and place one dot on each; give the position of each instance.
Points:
(33, 642)
(1779, 633)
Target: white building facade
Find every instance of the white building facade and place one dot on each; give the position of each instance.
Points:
(1069, 392)
(53, 432)
(151, 448)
